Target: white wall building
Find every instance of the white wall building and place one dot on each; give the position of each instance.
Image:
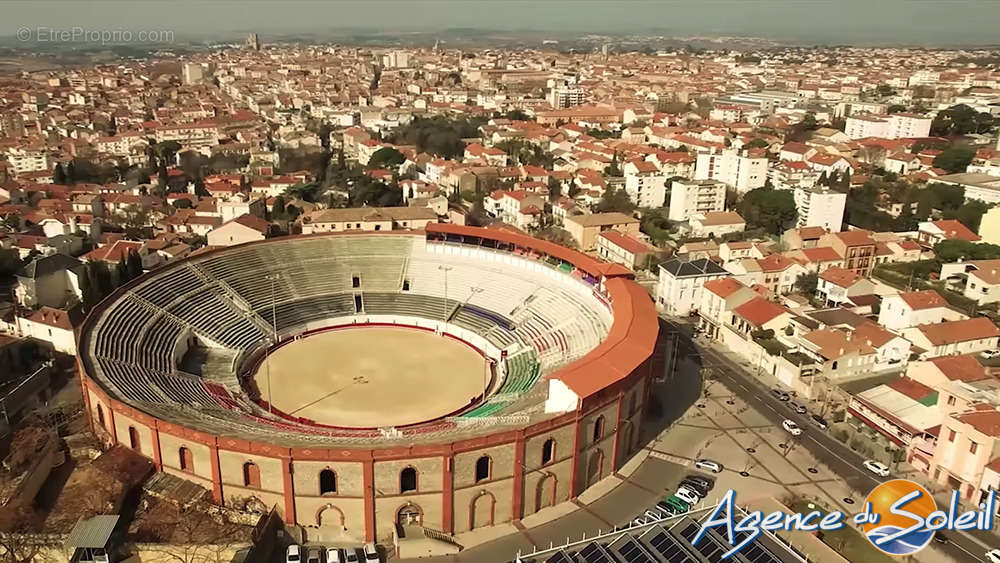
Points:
(690, 198)
(740, 170)
(820, 207)
(679, 289)
(895, 126)
(645, 185)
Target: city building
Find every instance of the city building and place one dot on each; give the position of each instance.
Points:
(680, 283)
(689, 198)
(820, 206)
(645, 184)
(585, 228)
(743, 171)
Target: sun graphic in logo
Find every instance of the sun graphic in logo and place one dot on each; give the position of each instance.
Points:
(885, 534)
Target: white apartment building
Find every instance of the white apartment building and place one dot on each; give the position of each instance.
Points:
(645, 185)
(689, 198)
(679, 289)
(819, 206)
(564, 96)
(26, 160)
(895, 126)
(740, 170)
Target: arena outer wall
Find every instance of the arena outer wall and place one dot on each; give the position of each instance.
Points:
(448, 498)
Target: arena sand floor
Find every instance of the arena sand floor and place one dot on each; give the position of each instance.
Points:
(368, 377)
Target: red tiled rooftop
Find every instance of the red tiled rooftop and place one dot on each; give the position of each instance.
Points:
(927, 299)
(724, 287)
(759, 311)
(960, 331)
(961, 368)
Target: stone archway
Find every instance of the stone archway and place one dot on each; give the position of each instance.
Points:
(482, 510)
(329, 516)
(595, 466)
(410, 515)
(545, 492)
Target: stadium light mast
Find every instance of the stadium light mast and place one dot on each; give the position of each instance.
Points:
(274, 337)
(444, 313)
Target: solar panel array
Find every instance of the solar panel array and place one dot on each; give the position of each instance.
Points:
(666, 543)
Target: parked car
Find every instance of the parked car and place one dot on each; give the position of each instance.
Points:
(696, 486)
(791, 427)
(371, 554)
(705, 482)
(797, 407)
(781, 395)
(293, 554)
(990, 354)
(940, 538)
(708, 465)
(352, 556)
(653, 514)
(666, 508)
(314, 555)
(819, 421)
(687, 496)
(878, 468)
(679, 506)
(993, 556)
(334, 555)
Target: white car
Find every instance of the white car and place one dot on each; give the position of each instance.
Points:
(791, 427)
(993, 556)
(880, 469)
(293, 554)
(687, 496)
(333, 555)
(370, 553)
(989, 354)
(708, 465)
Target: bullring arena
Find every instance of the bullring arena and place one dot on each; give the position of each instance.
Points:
(453, 379)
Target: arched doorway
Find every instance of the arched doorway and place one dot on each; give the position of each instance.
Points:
(545, 492)
(482, 511)
(410, 515)
(330, 516)
(595, 467)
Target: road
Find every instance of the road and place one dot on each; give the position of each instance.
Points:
(837, 456)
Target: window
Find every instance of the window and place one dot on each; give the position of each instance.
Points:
(100, 416)
(951, 435)
(483, 466)
(355, 281)
(186, 459)
(407, 480)
(133, 439)
(548, 451)
(251, 475)
(973, 447)
(598, 428)
(327, 482)
(406, 285)
(951, 400)
(834, 365)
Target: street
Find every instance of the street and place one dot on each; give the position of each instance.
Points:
(845, 462)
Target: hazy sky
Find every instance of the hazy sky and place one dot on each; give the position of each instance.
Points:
(826, 21)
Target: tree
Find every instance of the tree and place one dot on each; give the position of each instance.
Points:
(955, 159)
(952, 250)
(91, 293)
(614, 169)
(806, 283)
(961, 120)
(59, 175)
(555, 189)
(122, 270)
(558, 236)
(341, 165)
(278, 208)
(615, 199)
(768, 209)
(134, 265)
(386, 157)
(757, 144)
(181, 203)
